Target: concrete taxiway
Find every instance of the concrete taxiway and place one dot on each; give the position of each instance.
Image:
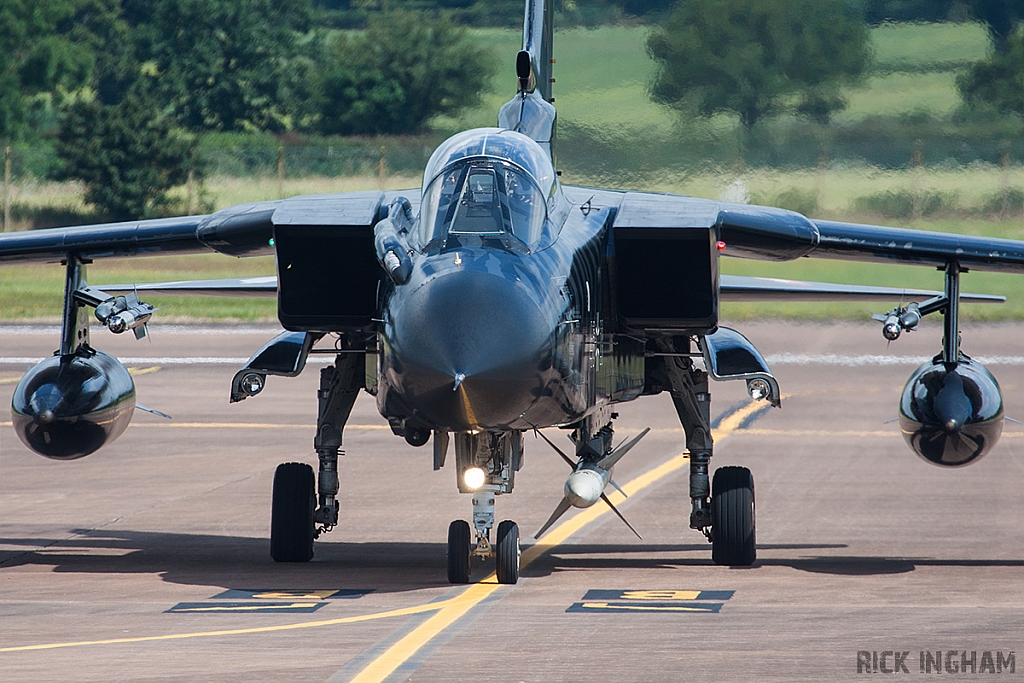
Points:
(149, 560)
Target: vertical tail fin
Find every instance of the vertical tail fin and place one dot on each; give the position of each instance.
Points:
(538, 30)
(530, 112)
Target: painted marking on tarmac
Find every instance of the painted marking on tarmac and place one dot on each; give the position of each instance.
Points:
(773, 359)
(651, 600)
(854, 361)
(399, 653)
(850, 433)
(247, 607)
(447, 611)
(592, 607)
(167, 360)
(661, 595)
(401, 612)
(264, 594)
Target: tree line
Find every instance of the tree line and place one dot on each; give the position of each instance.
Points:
(126, 86)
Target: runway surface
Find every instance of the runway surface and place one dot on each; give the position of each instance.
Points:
(149, 560)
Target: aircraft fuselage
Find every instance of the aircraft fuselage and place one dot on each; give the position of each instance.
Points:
(489, 338)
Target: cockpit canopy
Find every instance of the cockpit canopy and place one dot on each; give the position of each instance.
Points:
(490, 186)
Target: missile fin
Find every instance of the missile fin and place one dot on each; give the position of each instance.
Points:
(559, 511)
(616, 511)
(566, 458)
(609, 460)
(139, 406)
(617, 487)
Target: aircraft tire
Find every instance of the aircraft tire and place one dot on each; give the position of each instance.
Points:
(291, 516)
(458, 551)
(508, 552)
(732, 517)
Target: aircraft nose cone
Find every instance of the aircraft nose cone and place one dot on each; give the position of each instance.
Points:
(469, 349)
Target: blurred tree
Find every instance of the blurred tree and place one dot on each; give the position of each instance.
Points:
(755, 58)
(127, 155)
(1000, 18)
(46, 48)
(997, 81)
(225, 64)
(404, 69)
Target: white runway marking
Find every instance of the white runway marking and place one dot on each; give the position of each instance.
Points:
(776, 359)
(861, 360)
(167, 360)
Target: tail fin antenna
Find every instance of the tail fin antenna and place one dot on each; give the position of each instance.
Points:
(538, 30)
(530, 112)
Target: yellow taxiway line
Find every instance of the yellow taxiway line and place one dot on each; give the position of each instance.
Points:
(447, 612)
(399, 653)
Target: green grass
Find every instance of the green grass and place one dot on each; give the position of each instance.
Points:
(35, 292)
(902, 93)
(925, 47)
(602, 74)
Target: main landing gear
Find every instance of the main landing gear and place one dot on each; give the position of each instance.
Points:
(722, 509)
(299, 506)
(486, 464)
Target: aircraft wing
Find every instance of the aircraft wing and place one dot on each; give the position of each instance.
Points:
(252, 287)
(731, 287)
(772, 234)
(744, 288)
(243, 230)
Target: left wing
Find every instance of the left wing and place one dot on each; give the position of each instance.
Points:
(252, 287)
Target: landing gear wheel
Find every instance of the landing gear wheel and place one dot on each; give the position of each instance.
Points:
(732, 517)
(458, 551)
(507, 552)
(291, 517)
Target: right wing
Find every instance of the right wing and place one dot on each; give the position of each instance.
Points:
(744, 288)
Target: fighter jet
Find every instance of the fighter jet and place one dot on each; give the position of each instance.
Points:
(494, 301)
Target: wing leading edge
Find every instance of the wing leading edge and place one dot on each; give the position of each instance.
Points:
(771, 234)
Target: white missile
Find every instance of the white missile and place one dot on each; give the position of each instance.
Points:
(584, 487)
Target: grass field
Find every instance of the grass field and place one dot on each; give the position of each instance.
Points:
(602, 76)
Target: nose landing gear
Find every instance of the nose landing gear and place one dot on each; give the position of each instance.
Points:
(497, 457)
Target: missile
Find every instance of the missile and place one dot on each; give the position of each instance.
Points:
(586, 485)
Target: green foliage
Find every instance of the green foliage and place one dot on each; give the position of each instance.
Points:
(795, 199)
(997, 81)
(225, 64)
(1010, 200)
(127, 158)
(1000, 18)
(45, 47)
(753, 58)
(403, 70)
(905, 204)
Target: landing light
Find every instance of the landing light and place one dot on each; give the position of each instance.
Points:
(758, 389)
(474, 477)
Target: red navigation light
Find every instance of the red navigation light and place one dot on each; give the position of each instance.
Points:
(720, 245)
